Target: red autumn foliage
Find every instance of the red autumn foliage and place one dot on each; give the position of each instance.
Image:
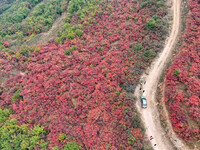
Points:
(6, 44)
(83, 95)
(137, 132)
(182, 94)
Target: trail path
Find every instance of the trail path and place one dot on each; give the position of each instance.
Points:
(46, 36)
(150, 115)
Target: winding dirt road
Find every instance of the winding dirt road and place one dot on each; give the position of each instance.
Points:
(150, 115)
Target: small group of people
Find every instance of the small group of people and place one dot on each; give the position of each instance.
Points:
(141, 86)
(151, 138)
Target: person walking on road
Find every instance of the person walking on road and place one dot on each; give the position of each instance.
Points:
(151, 137)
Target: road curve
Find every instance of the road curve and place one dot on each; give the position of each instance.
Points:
(150, 115)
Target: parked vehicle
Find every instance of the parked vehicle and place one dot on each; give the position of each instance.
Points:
(143, 102)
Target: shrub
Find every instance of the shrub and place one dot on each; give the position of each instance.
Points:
(80, 26)
(176, 72)
(68, 52)
(59, 33)
(4, 114)
(66, 26)
(160, 4)
(16, 95)
(100, 13)
(69, 146)
(151, 24)
(18, 55)
(37, 49)
(118, 92)
(6, 50)
(100, 49)
(55, 148)
(146, 3)
(37, 130)
(1, 47)
(149, 53)
(71, 35)
(73, 48)
(138, 46)
(63, 37)
(57, 40)
(72, 146)
(62, 137)
(43, 145)
(157, 19)
(136, 123)
(79, 32)
(24, 51)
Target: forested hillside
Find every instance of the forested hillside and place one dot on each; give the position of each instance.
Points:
(74, 92)
(21, 20)
(182, 93)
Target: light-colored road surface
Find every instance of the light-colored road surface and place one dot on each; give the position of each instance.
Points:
(150, 115)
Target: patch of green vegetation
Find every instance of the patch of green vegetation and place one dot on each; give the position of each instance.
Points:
(157, 3)
(55, 148)
(62, 136)
(176, 72)
(149, 53)
(79, 9)
(69, 51)
(71, 35)
(25, 50)
(16, 95)
(23, 19)
(138, 46)
(72, 146)
(118, 93)
(152, 23)
(73, 48)
(100, 49)
(146, 3)
(13, 136)
(160, 4)
(79, 32)
(69, 146)
(57, 40)
(4, 114)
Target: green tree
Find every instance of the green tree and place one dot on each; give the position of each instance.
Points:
(149, 53)
(138, 46)
(176, 72)
(151, 24)
(19, 36)
(72, 146)
(13, 136)
(79, 32)
(71, 35)
(57, 40)
(16, 95)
